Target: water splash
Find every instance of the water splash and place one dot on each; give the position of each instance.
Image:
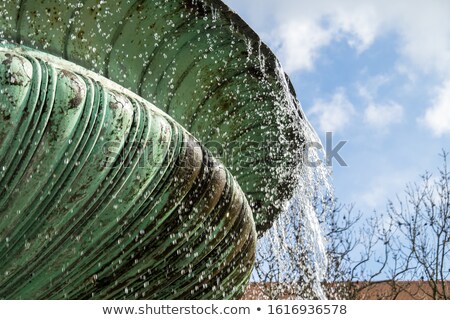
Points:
(291, 256)
(208, 70)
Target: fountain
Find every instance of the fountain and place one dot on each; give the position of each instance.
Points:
(144, 145)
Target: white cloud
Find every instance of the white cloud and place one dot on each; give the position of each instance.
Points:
(305, 27)
(335, 114)
(381, 116)
(299, 43)
(299, 30)
(371, 86)
(425, 34)
(358, 26)
(437, 117)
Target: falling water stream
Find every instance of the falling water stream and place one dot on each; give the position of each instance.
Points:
(295, 244)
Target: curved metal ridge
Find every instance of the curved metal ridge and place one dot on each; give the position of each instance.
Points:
(104, 196)
(196, 60)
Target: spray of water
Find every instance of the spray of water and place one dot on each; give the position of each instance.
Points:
(291, 256)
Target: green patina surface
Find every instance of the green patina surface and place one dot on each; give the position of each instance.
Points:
(104, 195)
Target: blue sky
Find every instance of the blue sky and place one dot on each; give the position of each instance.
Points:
(375, 73)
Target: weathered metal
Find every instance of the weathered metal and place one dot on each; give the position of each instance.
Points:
(106, 226)
(105, 196)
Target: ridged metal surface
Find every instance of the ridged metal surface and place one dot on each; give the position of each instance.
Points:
(104, 196)
(197, 61)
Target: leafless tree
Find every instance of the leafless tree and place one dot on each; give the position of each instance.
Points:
(292, 257)
(407, 250)
(419, 224)
(403, 252)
